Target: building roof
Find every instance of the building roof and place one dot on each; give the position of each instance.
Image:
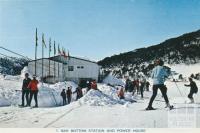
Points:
(55, 58)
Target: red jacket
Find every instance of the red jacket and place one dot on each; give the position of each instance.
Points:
(33, 85)
(121, 93)
(94, 85)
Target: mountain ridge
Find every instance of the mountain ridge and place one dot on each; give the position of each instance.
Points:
(139, 62)
(183, 46)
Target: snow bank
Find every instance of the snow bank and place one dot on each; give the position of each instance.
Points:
(110, 79)
(97, 98)
(24, 71)
(105, 96)
(9, 77)
(48, 96)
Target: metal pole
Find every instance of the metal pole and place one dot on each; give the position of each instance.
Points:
(49, 56)
(178, 89)
(35, 60)
(58, 72)
(36, 44)
(42, 61)
(54, 70)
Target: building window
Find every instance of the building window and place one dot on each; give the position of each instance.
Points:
(80, 67)
(70, 68)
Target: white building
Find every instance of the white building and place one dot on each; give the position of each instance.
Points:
(64, 68)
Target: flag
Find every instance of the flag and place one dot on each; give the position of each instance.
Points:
(64, 52)
(49, 44)
(43, 42)
(59, 52)
(54, 47)
(36, 38)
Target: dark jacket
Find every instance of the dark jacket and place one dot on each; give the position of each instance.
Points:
(26, 83)
(193, 87)
(79, 92)
(63, 94)
(69, 93)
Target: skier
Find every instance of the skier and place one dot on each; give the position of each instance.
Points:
(69, 94)
(137, 83)
(25, 90)
(33, 85)
(94, 85)
(147, 85)
(193, 89)
(134, 87)
(158, 75)
(142, 82)
(121, 93)
(131, 86)
(88, 84)
(127, 86)
(78, 92)
(63, 95)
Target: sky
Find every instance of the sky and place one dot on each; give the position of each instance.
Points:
(94, 29)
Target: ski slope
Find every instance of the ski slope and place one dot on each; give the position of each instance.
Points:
(95, 109)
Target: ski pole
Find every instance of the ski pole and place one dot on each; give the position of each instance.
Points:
(178, 89)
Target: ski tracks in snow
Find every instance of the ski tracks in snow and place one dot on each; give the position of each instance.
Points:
(61, 116)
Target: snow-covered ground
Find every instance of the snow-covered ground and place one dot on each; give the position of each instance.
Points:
(96, 109)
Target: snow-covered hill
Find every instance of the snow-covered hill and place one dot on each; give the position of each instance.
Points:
(12, 65)
(179, 50)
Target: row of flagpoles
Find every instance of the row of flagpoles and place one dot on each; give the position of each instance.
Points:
(44, 46)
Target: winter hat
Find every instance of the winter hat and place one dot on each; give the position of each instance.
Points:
(27, 74)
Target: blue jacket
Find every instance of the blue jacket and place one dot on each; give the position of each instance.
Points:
(159, 74)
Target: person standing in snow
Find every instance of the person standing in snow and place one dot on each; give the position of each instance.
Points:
(94, 85)
(127, 86)
(147, 85)
(142, 82)
(88, 84)
(33, 85)
(25, 90)
(193, 89)
(137, 83)
(121, 93)
(79, 92)
(63, 95)
(69, 94)
(159, 74)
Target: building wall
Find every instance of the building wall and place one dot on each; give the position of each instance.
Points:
(82, 69)
(58, 69)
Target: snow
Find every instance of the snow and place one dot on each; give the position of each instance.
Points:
(186, 70)
(98, 109)
(97, 98)
(110, 79)
(24, 71)
(49, 95)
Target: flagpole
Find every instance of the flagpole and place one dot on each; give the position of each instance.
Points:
(36, 39)
(35, 60)
(58, 71)
(42, 60)
(49, 57)
(54, 61)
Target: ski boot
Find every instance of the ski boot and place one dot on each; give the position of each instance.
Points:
(150, 108)
(170, 106)
(192, 101)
